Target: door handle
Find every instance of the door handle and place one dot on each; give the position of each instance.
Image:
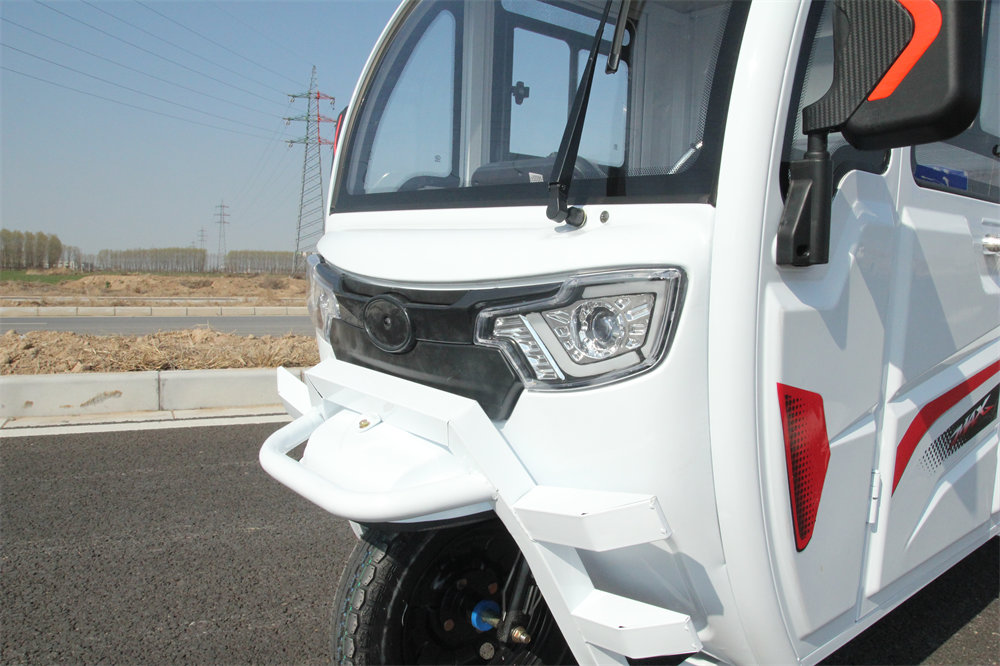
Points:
(991, 244)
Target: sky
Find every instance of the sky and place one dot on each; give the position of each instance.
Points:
(127, 124)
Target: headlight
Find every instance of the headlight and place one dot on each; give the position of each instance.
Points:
(323, 306)
(597, 329)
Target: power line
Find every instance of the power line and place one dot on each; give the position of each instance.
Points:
(118, 85)
(156, 55)
(133, 106)
(261, 34)
(177, 46)
(259, 165)
(212, 41)
(278, 183)
(135, 69)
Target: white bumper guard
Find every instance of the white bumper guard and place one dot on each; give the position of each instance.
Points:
(383, 449)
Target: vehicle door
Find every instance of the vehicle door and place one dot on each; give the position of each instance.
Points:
(938, 444)
(823, 332)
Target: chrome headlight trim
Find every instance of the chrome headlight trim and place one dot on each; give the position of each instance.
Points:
(321, 299)
(598, 328)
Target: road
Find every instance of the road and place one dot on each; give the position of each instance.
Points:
(259, 325)
(173, 546)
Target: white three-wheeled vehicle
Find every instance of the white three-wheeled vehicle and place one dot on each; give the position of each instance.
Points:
(655, 329)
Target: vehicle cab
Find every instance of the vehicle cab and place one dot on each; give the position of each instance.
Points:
(640, 342)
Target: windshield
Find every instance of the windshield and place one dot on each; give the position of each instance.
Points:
(469, 101)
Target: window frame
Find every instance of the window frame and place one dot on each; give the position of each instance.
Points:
(696, 184)
(975, 139)
(374, 110)
(844, 159)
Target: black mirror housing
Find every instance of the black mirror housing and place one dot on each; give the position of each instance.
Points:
(905, 72)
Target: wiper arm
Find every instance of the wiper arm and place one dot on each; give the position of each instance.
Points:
(615, 55)
(558, 209)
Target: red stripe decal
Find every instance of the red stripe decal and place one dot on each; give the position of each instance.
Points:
(926, 26)
(931, 412)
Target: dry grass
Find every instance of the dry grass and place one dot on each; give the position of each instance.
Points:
(144, 289)
(44, 352)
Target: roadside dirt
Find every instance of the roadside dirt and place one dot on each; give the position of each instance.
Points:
(145, 289)
(45, 352)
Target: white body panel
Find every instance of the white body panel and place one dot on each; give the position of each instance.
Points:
(678, 477)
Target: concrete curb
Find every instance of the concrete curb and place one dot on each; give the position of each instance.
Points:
(153, 311)
(68, 425)
(30, 396)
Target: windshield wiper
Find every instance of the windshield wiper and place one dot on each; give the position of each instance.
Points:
(559, 209)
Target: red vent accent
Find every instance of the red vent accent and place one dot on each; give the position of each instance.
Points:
(807, 452)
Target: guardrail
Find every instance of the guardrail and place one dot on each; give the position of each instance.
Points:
(80, 394)
(152, 311)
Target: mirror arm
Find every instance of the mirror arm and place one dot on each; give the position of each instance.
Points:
(804, 229)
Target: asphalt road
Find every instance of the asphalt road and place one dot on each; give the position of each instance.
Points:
(173, 546)
(258, 325)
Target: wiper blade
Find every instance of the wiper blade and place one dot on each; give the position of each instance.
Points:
(558, 209)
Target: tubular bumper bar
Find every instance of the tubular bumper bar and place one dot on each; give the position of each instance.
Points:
(398, 436)
(400, 504)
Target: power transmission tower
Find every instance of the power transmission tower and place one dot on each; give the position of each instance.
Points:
(312, 213)
(202, 236)
(222, 221)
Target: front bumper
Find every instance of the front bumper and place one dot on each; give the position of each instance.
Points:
(371, 463)
(383, 449)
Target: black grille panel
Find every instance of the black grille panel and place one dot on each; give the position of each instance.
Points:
(443, 321)
(473, 372)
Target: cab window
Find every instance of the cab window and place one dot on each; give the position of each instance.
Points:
(969, 164)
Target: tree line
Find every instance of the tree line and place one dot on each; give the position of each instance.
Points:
(190, 260)
(29, 249)
(26, 249)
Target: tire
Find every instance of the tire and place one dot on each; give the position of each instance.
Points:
(407, 598)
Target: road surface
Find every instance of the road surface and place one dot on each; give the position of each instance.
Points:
(257, 325)
(172, 545)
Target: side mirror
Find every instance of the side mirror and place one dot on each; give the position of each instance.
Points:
(905, 72)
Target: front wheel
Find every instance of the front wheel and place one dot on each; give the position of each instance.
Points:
(410, 598)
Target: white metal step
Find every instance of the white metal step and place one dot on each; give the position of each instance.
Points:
(634, 628)
(589, 519)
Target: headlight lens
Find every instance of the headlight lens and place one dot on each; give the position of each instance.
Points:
(597, 329)
(323, 306)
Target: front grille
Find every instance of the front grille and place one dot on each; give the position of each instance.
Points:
(442, 354)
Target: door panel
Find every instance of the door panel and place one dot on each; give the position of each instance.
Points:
(823, 331)
(938, 448)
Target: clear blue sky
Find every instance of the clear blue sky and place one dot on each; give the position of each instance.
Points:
(125, 124)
